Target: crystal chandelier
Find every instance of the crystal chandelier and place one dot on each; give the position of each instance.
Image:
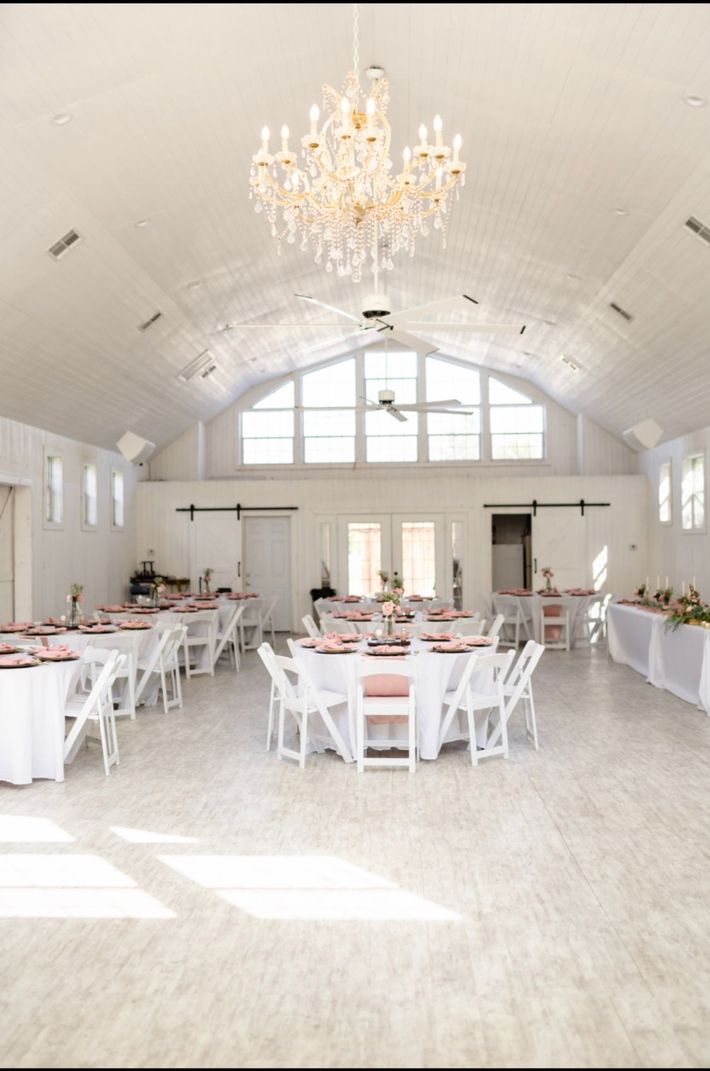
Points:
(340, 195)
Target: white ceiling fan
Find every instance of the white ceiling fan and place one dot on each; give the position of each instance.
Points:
(402, 327)
(386, 403)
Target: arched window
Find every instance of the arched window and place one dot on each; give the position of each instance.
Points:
(325, 416)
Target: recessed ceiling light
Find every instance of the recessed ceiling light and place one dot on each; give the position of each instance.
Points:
(62, 119)
(695, 102)
(620, 212)
(142, 223)
(195, 284)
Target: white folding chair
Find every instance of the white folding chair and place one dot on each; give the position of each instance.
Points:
(395, 706)
(337, 624)
(299, 698)
(518, 685)
(228, 638)
(267, 619)
(595, 618)
(169, 666)
(469, 699)
(557, 623)
(95, 707)
(201, 629)
(496, 625)
(311, 627)
(250, 619)
(266, 654)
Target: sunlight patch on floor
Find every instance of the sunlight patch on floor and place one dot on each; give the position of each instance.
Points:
(145, 836)
(18, 829)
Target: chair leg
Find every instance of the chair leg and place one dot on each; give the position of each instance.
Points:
(303, 726)
(412, 738)
(187, 659)
(530, 707)
(471, 718)
(270, 724)
(163, 687)
(280, 736)
(360, 745)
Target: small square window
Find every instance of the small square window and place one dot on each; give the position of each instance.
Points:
(89, 497)
(693, 494)
(117, 500)
(54, 492)
(665, 491)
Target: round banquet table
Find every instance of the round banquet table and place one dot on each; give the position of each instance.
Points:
(32, 720)
(413, 628)
(435, 674)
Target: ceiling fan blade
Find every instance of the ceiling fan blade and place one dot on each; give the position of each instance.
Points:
(458, 302)
(330, 308)
(452, 412)
(395, 334)
(447, 403)
(395, 413)
(478, 329)
(235, 326)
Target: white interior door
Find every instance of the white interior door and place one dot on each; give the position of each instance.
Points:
(216, 543)
(7, 555)
(267, 564)
(559, 539)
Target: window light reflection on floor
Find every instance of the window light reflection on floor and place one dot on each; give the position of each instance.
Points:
(71, 886)
(145, 836)
(21, 829)
(305, 887)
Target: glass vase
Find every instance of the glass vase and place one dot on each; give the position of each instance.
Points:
(74, 614)
(548, 584)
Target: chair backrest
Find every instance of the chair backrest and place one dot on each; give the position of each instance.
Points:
(554, 609)
(391, 667)
(111, 663)
(236, 611)
(520, 674)
(171, 642)
(498, 622)
(471, 628)
(201, 624)
(499, 663)
(311, 627)
(282, 684)
(271, 606)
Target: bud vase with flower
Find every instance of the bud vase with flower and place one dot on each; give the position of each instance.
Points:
(388, 618)
(75, 596)
(548, 574)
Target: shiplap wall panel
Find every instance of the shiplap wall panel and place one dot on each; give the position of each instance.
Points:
(619, 528)
(101, 560)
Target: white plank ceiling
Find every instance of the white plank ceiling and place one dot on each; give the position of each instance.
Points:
(568, 112)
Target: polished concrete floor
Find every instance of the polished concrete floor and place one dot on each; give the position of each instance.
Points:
(548, 910)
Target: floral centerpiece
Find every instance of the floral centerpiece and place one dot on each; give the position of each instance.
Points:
(384, 577)
(158, 586)
(390, 600)
(207, 578)
(689, 610)
(548, 574)
(75, 596)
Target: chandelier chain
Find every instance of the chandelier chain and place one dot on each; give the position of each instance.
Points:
(356, 41)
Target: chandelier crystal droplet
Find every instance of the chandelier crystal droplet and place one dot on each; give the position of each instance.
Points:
(340, 196)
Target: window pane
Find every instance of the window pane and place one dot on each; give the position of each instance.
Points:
(444, 424)
(334, 385)
(454, 448)
(693, 493)
(419, 557)
(507, 419)
(90, 496)
(513, 447)
(267, 451)
(383, 424)
(664, 493)
(395, 448)
(328, 449)
(54, 503)
(499, 394)
(117, 514)
(447, 380)
(329, 422)
(278, 425)
(282, 398)
(364, 558)
(397, 365)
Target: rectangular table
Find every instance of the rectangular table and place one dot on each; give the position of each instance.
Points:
(676, 660)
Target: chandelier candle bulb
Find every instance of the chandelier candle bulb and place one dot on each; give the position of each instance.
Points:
(314, 116)
(265, 135)
(438, 128)
(458, 142)
(284, 138)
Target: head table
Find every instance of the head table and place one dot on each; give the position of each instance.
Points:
(577, 606)
(435, 674)
(677, 660)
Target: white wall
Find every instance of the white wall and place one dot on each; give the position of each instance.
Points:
(183, 459)
(101, 560)
(675, 553)
(457, 497)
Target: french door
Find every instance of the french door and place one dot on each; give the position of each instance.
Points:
(413, 545)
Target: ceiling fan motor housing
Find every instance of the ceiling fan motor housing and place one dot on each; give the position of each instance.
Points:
(375, 305)
(386, 397)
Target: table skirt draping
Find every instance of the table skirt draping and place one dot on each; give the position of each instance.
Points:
(675, 660)
(32, 721)
(435, 674)
(578, 607)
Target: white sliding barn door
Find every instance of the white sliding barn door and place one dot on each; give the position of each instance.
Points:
(267, 564)
(7, 554)
(559, 539)
(216, 543)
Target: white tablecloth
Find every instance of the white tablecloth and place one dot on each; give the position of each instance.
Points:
(434, 675)
(677, 660)
(578, 607)
(32, 721)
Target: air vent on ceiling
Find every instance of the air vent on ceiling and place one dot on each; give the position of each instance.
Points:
(64, 244)
(622, 312)
(698, 228)
(150, 321)
(572, 365)
(203, 366)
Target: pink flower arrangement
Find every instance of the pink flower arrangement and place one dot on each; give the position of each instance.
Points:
(387, 608)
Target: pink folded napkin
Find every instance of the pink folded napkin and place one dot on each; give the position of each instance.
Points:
(476, 641)
(112, 609)
(7, 648)
(459, 647)
(308, 642)
(134, 624)
(388, 649)
(334, 648)
(437, 635)
(15, 626)
(16, 660)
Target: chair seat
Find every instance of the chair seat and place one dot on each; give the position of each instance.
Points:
(331, 699)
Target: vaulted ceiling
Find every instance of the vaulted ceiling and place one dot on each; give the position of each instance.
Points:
(569, 113)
